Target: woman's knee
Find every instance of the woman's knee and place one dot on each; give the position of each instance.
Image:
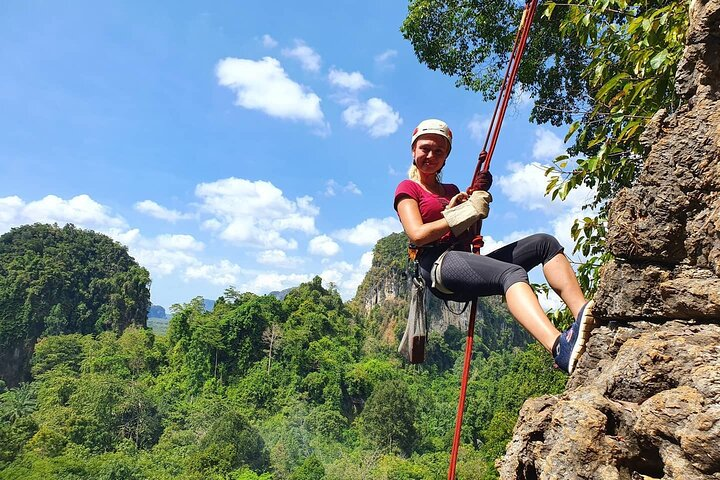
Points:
(513, 275)
(547, 245)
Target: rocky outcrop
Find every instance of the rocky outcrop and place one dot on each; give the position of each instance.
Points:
(644, 402)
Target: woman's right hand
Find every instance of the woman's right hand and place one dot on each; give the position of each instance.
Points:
(458, 199)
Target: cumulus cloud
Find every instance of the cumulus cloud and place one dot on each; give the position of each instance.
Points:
(478, 127)
(179, 242)
(155, 210)
(384, 59)
(309, 59)
(351, 81)
(271, 281)
(80, 210)
(162, 255)
(347, 277)
(547, 145)
(376, 116)
(263, 85)
(526, 186)
(324, 246)
(278, 258)
(256, 213)
(350, 187)
(223, 273)
(491, 244)
(332, 187)
(268, 41)
(369, 231)
(162, 262)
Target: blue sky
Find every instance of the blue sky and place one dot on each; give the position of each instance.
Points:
(241, 143)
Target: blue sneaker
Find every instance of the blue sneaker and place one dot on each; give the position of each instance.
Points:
(570, 345)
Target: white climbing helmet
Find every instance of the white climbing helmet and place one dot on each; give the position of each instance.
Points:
(433, 125)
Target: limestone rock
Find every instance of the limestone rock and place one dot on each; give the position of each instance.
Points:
(644, 400)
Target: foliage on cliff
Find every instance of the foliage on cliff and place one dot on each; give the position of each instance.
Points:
(390, 259)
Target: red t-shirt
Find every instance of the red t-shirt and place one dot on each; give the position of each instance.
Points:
(430, 204)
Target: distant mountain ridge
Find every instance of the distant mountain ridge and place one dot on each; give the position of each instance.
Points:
(159, 312)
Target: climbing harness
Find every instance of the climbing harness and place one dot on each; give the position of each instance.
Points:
(483, 165)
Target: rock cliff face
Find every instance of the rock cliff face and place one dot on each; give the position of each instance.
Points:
(644, 402)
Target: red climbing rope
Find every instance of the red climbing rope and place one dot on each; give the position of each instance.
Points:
(483, 165)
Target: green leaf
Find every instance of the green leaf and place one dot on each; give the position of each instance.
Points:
(549, 9)
(610, 84)
(657, 61)
(571, 130)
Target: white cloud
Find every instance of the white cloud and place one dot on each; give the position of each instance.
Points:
(384, 59)
(81, 210)
(522, 97)
(179, 242)
(551, 301)
(278, 258)
(352, 81)
(223, 273)
(366, 261)
(375, 115)
(490, 244)
(256, 213)
(347, 277)
(547, 145)
(309, 59)
(269, 41)
(212, 224)
(368, 232)
(155, 210)
(478, 127)
(561, 226)
(526, 186)
(162, 255)
(263, 85)
(324, 246)
(162, 262)
(271, 281)
(332, 187)
(352, 188)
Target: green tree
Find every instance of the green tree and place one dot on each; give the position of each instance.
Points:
(18, 402)
(311, 469)
(56, 351)
(388, 420)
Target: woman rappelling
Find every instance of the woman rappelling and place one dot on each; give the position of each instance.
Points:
(437, 217)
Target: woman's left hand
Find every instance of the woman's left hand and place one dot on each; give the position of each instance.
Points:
(458, 199)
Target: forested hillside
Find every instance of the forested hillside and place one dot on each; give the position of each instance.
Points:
(63, 280)
(299, 388)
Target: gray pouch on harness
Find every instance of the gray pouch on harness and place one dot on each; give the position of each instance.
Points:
(412, 345)
(435, 274)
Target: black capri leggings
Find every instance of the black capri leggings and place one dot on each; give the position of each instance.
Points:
(468, 275)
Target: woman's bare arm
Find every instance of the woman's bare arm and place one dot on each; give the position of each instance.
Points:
(418, 232)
